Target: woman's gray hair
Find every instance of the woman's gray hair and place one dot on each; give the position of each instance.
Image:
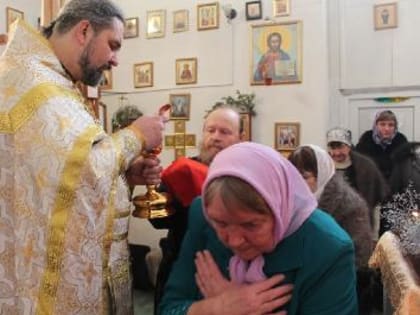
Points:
(235, 192)
(99, 13)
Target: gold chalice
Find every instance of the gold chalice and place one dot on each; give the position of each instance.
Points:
(152, 204)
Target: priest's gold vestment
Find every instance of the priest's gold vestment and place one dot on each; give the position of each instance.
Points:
(64, 205)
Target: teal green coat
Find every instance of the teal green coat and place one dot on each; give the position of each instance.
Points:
(318, 259)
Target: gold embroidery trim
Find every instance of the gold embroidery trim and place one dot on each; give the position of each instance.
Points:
(108, 292)
(118, 148)
(120, 237)
(396, 273)
(121, 215)
(69, 181)
(35, 33)
(29, 103)
(139, 135)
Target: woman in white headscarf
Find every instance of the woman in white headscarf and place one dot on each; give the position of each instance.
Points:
(257, 227)
(336, 197)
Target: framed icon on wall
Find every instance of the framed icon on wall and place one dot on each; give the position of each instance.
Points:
(283, 40)
(385, 16)
(143, 74)
(106, 81)
(131, 27)
(180, 21)
(180, 106)
(156, 23)
(208, 16)
(253, 10)
(186, 71)
(286, 135)
(12, 15)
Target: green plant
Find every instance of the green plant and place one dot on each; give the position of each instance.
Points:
(243, 102)
(124, 116)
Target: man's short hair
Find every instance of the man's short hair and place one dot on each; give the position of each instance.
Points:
(227, 106)
(99, 13)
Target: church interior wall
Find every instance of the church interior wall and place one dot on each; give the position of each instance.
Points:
(347, 66)
(31, 10)
(223, 67)
(373, 68)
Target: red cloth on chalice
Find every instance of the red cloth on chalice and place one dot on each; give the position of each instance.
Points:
(184, 179)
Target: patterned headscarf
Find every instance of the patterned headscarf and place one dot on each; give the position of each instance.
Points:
(278, 182)
(325, 166)
(376, 136)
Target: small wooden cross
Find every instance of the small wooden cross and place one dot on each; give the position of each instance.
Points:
(180, 141)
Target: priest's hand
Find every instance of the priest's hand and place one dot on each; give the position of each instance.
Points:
(144, 171)
(150, 128)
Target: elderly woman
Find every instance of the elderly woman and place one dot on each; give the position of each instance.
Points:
(380, 143)
(255, 233)
(336, 197)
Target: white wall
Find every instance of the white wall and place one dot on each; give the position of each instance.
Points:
(380, 58)
(31, 10)
(223, 56)
(366, 64)
(346, 65)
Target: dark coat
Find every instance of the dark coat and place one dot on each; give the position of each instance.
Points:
(177, 226)
(351, 212)
(406, 168)
(381, 156)
(369, 182)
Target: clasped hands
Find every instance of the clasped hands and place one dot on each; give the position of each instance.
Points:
(260, 298)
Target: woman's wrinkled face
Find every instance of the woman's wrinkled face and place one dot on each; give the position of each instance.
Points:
(386, 128)
(247, 233)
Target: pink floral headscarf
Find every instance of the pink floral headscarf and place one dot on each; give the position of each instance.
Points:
(278, 182)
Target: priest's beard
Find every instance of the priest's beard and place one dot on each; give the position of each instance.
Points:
(91, 75)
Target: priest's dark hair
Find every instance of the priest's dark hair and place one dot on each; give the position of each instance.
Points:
(99, 13)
